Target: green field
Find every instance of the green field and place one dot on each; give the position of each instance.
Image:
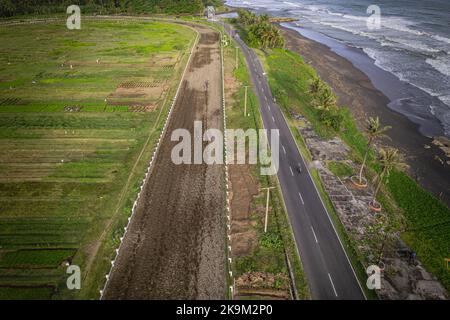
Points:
(71, 162)
(427, 218)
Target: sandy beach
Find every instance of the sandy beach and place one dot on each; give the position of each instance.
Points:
(428, 163)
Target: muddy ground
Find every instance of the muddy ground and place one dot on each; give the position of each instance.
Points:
(175, 245)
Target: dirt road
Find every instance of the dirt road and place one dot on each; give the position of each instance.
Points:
(175, 245)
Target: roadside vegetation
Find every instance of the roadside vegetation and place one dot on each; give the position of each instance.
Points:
(10, 8)
(80, 113)
(340, 169)
(257, 30)
(272, 248)
(426, 224)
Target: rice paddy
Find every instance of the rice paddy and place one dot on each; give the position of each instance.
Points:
(80, 113)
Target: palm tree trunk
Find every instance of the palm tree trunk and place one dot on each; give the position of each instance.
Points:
(364, 160)
(363, 164)
(382, 249)
(379, 185)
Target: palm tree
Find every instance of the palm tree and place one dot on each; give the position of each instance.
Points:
(315, 86)
(326, 101)
(264, 18)
(389, 159)
(373, 130)
(265, 34)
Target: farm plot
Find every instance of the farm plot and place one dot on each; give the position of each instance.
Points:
(74, 147)
(103, 64)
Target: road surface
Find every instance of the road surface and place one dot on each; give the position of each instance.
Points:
(328, 270)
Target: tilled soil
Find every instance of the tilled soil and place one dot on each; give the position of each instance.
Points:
(175, 245)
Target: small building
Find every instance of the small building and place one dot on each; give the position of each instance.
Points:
(210, 12)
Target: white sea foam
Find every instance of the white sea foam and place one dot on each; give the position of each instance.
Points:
(440, 38)
(441, 64)
(291, 4)
(446, 100)
(409, 44)
(380, 60)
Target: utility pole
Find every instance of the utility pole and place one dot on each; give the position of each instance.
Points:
(245, 101)
(236, 57)
(267, 207)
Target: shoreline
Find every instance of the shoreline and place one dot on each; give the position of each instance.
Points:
(427, 161)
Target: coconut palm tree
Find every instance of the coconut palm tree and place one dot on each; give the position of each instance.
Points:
(389, 159)
(326, 100)
(315, 86)
(264, 18)
(373, 130)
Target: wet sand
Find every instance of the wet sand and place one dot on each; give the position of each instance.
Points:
(428, 163)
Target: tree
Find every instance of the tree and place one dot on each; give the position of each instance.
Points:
(316, 86)
(373, 130)
(11, 8)
(264, 18)
(389, 159)
(326, 100)
(260, 32)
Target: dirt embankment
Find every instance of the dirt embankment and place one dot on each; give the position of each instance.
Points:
(175, 244)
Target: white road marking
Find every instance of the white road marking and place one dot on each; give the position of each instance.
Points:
(312, 229)
(284, 150)
(273, 119)
(292, 172)
(332, 284)
(268, 105)
(301, 198)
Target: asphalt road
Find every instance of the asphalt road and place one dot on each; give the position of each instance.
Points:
(328, 270)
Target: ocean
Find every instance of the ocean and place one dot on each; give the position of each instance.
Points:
(412, 43)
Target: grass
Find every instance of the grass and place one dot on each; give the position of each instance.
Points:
(37, 69)
(269, 255)
(340, 169)
(68, 179)
(35, 258)
(428, 224)
(427, 218)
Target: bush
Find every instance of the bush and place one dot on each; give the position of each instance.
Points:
(259, 32)
(271, 241)
(10, 8)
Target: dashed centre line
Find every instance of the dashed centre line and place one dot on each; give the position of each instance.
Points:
(314, 234)
(301, 198)
(332, 284)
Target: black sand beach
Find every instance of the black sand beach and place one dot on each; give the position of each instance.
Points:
(428, 163)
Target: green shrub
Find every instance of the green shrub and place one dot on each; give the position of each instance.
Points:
(271, 240)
